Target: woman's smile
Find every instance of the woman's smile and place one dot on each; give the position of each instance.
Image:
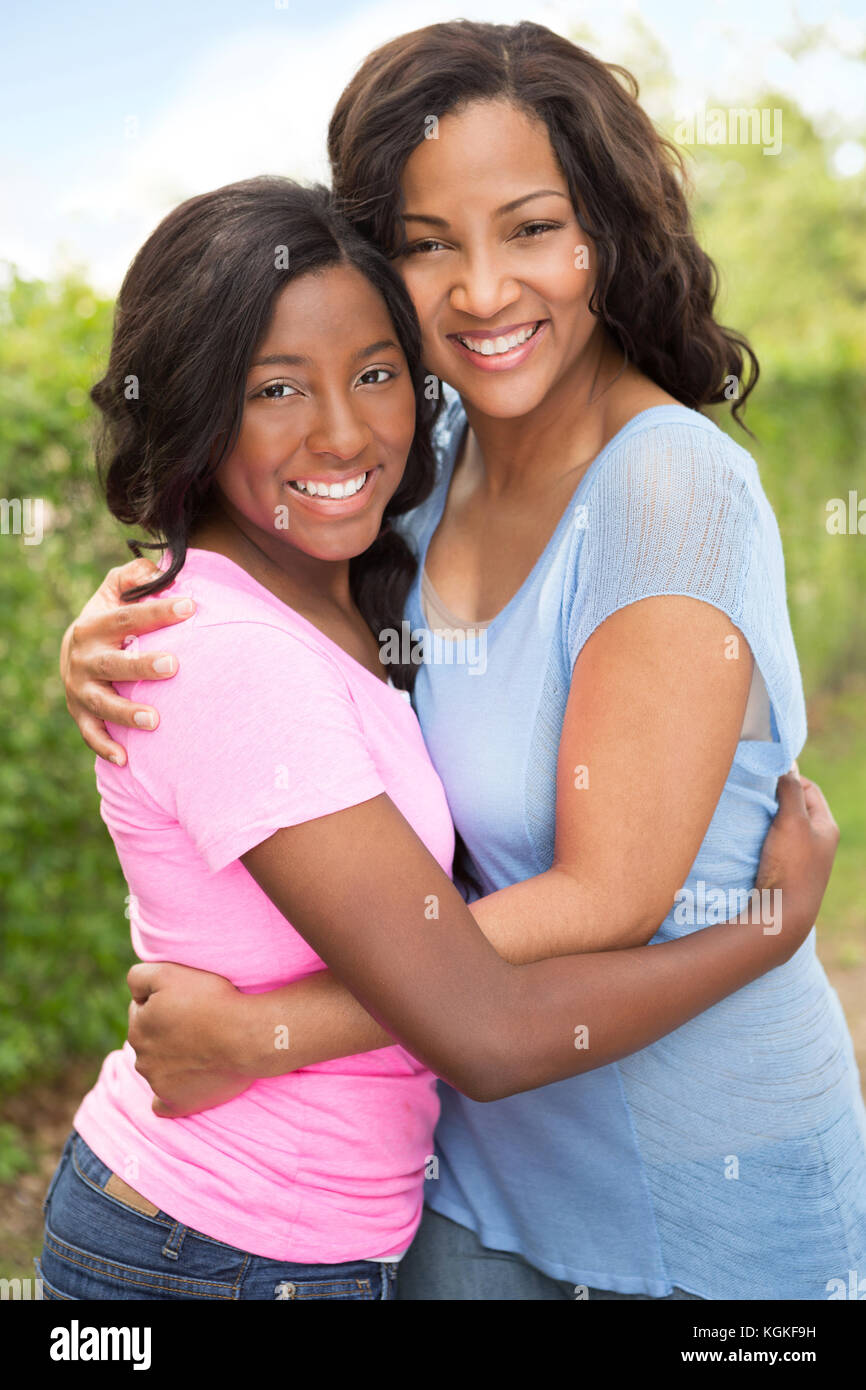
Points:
(501, 349)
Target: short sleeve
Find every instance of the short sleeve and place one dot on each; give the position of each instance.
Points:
(258, 730)
(678, 510)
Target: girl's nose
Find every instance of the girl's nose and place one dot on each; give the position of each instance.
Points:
(339, 430)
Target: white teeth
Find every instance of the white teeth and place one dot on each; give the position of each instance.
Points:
(490, 347)
(336, 491)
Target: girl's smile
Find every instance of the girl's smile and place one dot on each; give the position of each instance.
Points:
(336, 496)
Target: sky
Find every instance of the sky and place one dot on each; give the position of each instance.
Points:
(112, 112)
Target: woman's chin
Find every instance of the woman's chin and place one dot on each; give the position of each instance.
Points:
(501, 396)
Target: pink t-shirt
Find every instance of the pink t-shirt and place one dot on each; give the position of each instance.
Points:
(268, 723)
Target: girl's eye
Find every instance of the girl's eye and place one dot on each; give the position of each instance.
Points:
(534, 229)
(277, 391)
(382, 373)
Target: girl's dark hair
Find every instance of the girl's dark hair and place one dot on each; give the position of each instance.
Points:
(655, 287)
(195, 302)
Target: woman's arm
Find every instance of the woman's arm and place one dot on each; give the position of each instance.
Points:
(92, 656)
(489, 1027)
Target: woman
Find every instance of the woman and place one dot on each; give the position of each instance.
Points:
(640, 696)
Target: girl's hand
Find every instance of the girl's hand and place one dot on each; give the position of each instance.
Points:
(797, 857)
(92, 656)
(178, 1023)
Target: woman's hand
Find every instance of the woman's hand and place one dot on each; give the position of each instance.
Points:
(178, 1029)
(797, 857)
(92, 656)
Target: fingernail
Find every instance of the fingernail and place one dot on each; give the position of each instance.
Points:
(113, 758)
(163, 665)
(144, 720)
(183, 605)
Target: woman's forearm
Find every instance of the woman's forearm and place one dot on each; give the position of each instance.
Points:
(312, 1020)
(615, 1002)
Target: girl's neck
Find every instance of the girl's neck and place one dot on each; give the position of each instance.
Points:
(304, 582)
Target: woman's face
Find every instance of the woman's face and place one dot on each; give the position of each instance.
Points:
(498, 267)
(328, 421)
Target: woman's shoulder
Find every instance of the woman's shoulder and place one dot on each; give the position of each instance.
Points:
(673, 454)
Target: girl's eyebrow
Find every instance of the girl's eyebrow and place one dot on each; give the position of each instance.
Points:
(285, 359)
(500, 212)
(382, 346)
(281, 359)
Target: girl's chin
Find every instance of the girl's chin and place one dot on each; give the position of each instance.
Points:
(343, 543)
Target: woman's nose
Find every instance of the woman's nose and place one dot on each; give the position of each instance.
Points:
(483, 289)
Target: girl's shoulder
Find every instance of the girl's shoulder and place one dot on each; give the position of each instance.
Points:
(236, 619)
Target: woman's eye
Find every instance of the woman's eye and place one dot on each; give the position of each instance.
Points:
(277, 391)
(374, 376)
(423, 247)
(534, 229)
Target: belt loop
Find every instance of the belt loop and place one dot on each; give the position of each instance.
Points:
(172, 1247)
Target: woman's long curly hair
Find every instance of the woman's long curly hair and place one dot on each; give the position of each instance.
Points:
(655, 287)
(195, 303)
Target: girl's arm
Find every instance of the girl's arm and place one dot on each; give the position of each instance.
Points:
(490, 1028)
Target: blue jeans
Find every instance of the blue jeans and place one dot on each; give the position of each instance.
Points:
(447, 1261)
(99, 1247)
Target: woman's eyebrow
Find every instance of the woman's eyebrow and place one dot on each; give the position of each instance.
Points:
(500, 212)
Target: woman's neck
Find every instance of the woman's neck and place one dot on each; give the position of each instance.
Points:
(564, 433)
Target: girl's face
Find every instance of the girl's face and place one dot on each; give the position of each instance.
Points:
(328, 421)
(496, 263)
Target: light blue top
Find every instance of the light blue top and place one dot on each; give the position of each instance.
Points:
(729, 1158)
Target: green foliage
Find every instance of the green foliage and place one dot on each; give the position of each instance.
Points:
(64, 938)
(788, 237)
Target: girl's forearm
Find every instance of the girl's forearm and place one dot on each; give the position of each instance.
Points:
(616, 1003)
(622, 1001)
(317, 1019)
